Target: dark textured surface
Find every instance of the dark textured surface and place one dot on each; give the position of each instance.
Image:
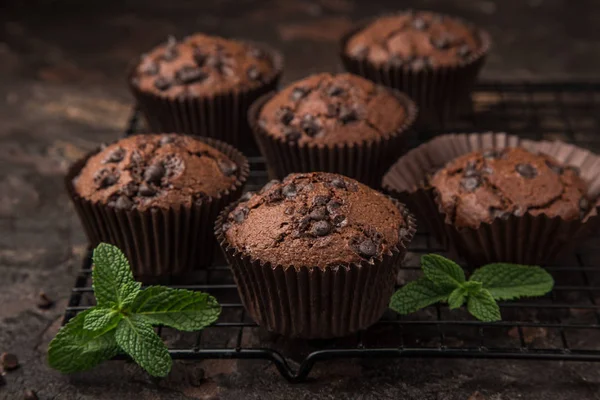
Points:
(63, 83)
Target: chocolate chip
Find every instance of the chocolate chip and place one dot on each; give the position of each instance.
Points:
(130, 189)
(471, 170)
(162, 83)
(275, 196)
(519, 212)
(166, 139)
(124, 203)
(333, 206)
(154, 173)
(335, 90)
(340, 220)
(240, 214)
(289, 190)
(105, 178)
(199, 57)
(269, 185)
(9, 361)
(367, 248)
(246, 196)
(310, 126)
(146, 190)
(338, 183)
(286, 115)
(419, 24)
(464, 51)
(298, 93)
(487, 170)
(289, 210)
(441, 43)
(321, 228)
(347, 114)
(557, 169)
(332, 110)
(225, 227)
(304, 223)
(359, 51)
(318, 214)
(30, 395)
(216, 62)
(253, 73)
(171, 52)
(44, 302)
(492, 154)
(421, 63)
(320, 200)
(526, 171)
(150, 68)
(470, 183)
(116, 156)
(188, 74)
(228, 168)
(292, 134)
(502, 214)
(257, 53)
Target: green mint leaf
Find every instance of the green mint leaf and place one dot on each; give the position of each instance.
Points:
(442, 271)
(76, 349)
(511, 281)
(457, 298)
(101, 319)
(472, 287)
(114, 286)
(416, 295)
(483, 306)
(137, 338)
(180, 309)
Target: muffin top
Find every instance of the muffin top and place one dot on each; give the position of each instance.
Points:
(483, 185)
(317, 220)
(330, 109)
(201, 65)
(415, 39)
(145, 171)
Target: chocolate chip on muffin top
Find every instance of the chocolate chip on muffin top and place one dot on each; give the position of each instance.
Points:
(331, 109)
(316, 220)
(417, 40)
(483, 185)
(145, 171)
(201, 65)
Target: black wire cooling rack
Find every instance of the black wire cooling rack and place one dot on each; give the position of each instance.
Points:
(564, 325)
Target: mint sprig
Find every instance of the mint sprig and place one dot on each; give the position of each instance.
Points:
(123, 319)
(444, 281)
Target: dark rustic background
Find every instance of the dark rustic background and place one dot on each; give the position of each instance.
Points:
(62, 67)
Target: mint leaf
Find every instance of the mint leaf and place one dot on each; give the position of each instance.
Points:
(180, 309)
(442, 271)
(457, 298)
(483, 306)
(101, 319)
(137, 338)
(511, 281)
(76, 349)
(472, 287)
(416, 295)
(113, 282)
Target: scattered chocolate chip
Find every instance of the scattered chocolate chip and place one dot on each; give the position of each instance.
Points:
(333, 206)
(335, 90)
(246, 196)
(275, 196)
(340, 220)
(367, 248)
(150, 68)
(124, 203)
(421, 63)
(292, 134)
(225, 227)
(298, 93)
(464, 51)
(216, 62)
(228, 168)
(166, 139)
(320, 200)
(470, 183)
(116, 156)
(526, 171)
(146, 190)
(154, 173)
(199, 57)
(30, 395)
(253, 73)
(171, 52)
(441, 43)
(310, 126)
(321, 228)
(304, 223)
(502, 214)
(318, 214)
(487, 170)
(347, 114)
(359, 51)
(332, 110)
(492, 154)
(257, 53)
(419, 24)
(130, 189)
(286, 115)
(471, 170)
(303, 210)
(289, 190)
(9, 361)
(240, 214)
(338, 183)
(289, 210)
(105, 178)
(268, 186)
(557, 169)
(519, 212)
(188, 74)
(44, 302)
(162, 83)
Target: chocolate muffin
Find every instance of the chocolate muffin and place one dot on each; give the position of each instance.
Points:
(157, 197)
(315, 255)
(432, 57)
(203, 85)
(484, 185)
(335, 123)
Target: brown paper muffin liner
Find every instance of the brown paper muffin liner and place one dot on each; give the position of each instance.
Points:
(312, 302)
(159, 243)
(365, 162)
(525, 240)
(441, 92)
(220, 116)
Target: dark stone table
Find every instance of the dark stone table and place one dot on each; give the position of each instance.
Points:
(62, 83)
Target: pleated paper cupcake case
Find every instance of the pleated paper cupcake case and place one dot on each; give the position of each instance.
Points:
(528, 239)
(159, 243)
(313, 302)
